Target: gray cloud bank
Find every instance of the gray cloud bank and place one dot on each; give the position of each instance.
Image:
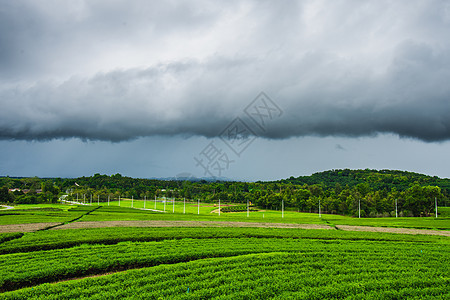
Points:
(352, 68)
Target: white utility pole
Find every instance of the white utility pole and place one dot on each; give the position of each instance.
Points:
(248, 211)
(145, 199)
(132, 201)
(98, 200)
(320, 215)
(435, 202)
(155, 200)
(184, 205)
(359, 208)
(108, 200)
(173, 205)
(396, 211)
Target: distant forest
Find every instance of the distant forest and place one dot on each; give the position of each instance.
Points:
(339, 191)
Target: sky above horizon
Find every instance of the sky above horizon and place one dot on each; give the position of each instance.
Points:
(246, 90)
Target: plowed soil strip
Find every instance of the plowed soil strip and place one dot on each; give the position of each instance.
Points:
(99, 224)
(26, 227)
(76, 225)
(393, 230)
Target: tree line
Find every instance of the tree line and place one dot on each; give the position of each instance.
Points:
(378, 193)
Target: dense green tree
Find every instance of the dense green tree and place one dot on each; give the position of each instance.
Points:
(5, 195)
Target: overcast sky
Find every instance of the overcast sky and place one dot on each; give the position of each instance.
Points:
(248, 90)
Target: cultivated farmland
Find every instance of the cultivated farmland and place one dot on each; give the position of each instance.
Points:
(216, 256)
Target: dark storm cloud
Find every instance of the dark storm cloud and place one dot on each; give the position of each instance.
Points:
(342, 69)
(41, 37)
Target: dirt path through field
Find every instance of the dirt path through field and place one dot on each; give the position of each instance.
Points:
(7, 207)
(394, 230)
(77, 225)
(26, 227)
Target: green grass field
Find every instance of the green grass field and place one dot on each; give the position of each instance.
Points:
(25, 214)
(208, 212)
(217, 262)
(223, 263)
(133, 211)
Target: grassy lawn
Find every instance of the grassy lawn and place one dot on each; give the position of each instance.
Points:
(130, 210)
(64, 207)
(45, 213)
(208, 213)
(191, 212)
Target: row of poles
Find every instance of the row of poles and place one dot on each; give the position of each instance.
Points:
(248, 207)
(145, 200)
(396, 208)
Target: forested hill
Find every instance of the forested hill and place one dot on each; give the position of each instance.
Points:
(378, 193)
(376, 179)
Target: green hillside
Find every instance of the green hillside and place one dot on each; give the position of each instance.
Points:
(376, 179)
